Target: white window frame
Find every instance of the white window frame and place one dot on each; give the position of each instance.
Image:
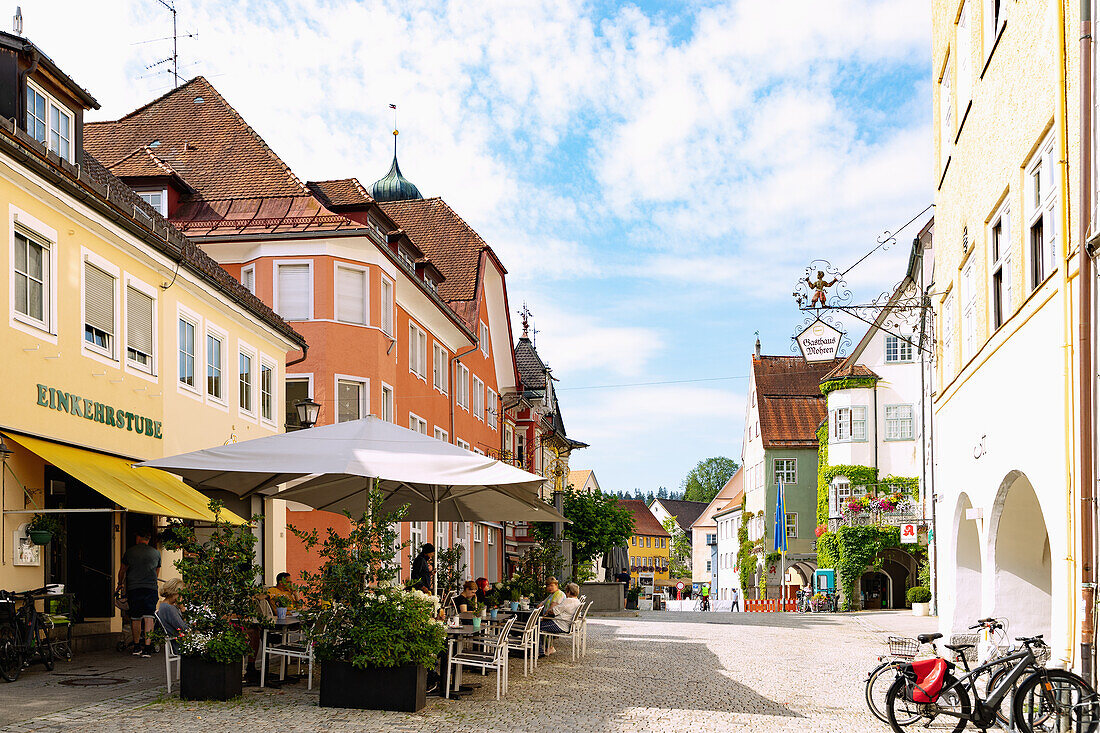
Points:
(129, 281)
(387, 403)
(491, 408)
(902, 349)
(45, 237)
(364, 393)
(790, 525)
(109, 355)
(477, 406)
(52, 105)
(964, 60)
(308, 379)
(341, 265)
(418, 424)
(221, 335)
(250, 271)
(196, 322)
(253, 354)
(483, 338)
(387, 306)
(462, 386)
(947, 347)
(439, 367)
(792, 471)
(275, 265)
(969, 289)
(899, 428)
(162, 208)
(462, 443)
(266, 362)
(994, 26)
(477, 532)
(418, 351)
(1042, 207)
(1000, 272)
(849, 424)
(947, 123)
(440, 434)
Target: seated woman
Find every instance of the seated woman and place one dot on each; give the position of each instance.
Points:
(462, 602)
(483, 587)
(558, 615)
(169, 612)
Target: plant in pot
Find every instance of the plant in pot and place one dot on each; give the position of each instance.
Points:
(375, 641)
(632, 596)
(282, 603)
(919, 597)
(819, 602)
(43, 528)
(220, 579)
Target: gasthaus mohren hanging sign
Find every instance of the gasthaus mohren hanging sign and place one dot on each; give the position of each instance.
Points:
(819, 341)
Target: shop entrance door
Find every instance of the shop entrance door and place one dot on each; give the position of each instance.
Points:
(83, 558)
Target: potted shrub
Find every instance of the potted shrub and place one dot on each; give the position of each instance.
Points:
(218, 601)
(819, 603)
(43, 528)
(282, 603)
(632, 597)
(919, 597)
(375, 641)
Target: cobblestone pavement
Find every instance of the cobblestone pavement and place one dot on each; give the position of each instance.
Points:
(643, 672)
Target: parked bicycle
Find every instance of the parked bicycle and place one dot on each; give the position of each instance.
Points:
(1041, 699)
(24, 634)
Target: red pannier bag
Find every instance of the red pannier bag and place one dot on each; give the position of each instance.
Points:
(926, 679)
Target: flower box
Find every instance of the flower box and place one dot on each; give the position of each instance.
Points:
(374, 688)
(202, 679)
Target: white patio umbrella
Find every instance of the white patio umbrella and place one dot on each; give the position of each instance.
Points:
(332, 468)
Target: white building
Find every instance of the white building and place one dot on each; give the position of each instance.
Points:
(704, 533)
(727, 577)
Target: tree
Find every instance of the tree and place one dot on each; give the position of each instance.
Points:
(707, 478)
(598, 524)
(679, 554)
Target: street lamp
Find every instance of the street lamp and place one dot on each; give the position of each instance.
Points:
(308, 411)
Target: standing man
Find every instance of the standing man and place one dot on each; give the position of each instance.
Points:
(137, 575)
(423, 568)
(736, 605)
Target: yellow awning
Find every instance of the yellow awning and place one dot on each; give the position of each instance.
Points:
(142, 490)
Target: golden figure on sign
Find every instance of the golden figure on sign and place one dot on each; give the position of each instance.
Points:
(819, 287)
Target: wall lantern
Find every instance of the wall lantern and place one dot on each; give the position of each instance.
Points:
(308, 412)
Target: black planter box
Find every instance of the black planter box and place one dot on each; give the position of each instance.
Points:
(375, 688)
(201, 679)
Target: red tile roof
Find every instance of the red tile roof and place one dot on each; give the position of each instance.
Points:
(644, 521)
(790, 402)
(848, 368)
(340, 192)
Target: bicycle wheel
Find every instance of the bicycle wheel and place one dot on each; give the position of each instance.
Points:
(986, 683)
(1055, 700)
(878, 686)
(949, 712)
(42, 644)
(11, 659)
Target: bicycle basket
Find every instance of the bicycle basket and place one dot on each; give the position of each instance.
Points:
(901, 646)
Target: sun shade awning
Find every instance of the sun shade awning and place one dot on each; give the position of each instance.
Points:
(142, 490)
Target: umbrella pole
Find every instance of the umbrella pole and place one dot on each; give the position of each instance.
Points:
(435, 534)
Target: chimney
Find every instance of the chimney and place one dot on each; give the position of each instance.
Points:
(758, 346)
(17, 21)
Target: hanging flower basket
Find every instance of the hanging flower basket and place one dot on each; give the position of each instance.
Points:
(40, 536)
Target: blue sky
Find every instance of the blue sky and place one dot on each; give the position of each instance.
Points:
(654, 175)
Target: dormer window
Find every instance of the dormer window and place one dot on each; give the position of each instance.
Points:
(49, 122)
(406, 258)
(431, 284)
(157, 198)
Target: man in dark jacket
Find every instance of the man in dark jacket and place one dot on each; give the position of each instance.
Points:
(423, 568)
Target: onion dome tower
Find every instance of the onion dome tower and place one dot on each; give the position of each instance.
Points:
(393, 186)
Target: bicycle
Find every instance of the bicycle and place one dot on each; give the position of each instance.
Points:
(1042, 699)
(703, 604)
(24, 635)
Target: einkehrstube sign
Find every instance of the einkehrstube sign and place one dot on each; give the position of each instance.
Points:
(819, 341)
(116, 417)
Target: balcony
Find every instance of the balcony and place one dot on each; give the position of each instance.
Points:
(874, 511)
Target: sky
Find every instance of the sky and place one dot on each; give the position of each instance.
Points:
(655, 176)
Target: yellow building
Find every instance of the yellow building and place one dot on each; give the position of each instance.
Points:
(1007, 180)
(121, 342)
(649, 545)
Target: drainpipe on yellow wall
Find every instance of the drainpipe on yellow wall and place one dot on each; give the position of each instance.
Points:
(1067, 336)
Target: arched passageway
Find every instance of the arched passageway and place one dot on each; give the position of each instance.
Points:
(968, 568)
(1021, 558)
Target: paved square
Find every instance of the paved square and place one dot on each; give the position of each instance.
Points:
(650, 672)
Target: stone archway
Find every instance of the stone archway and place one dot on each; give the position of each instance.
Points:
(1020, 548)
(968, 568)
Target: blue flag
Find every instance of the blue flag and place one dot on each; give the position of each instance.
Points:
(780, 532)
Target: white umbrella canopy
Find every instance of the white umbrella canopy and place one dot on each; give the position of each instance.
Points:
(332, 468)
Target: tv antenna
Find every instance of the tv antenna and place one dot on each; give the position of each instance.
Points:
(174, 58)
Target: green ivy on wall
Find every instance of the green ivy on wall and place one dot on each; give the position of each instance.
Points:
(847, 383)
(746, 550)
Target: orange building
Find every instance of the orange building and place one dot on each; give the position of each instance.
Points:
(403, 305)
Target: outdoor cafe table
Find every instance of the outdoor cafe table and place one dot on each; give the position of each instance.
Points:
(457, 634)
(276, 626)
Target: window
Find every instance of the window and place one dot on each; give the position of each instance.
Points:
(387, 307)
(351, 400)
(417, 532)
(970, 309)
(490, 535)
(214, 366)
(406, 258)
(477, 532)
(267, 391)
(245, 365)
(792, 525)
(479, 399)
(963, 58)
(948, 345)
(296, 391)
(46, 116)
(708, 566)
(484, 338)
(351, 295)
(1041, 205)
(440, 434)
(157, 199)
(387, 403)
(139, 329)
(187, 353)
(31, 279)
(786, 470)
(418, 351)
(849, 424)
(899, 422)
(248, 278)
(439, 367)
(1000, 242)
(634, 541)
(418, 424)
(462, 443)
(996, 18)
(99, 309)
(491, 408)
(898, 349)
(947, 114)
(293, 296)
(648, 541)
(462, 389)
